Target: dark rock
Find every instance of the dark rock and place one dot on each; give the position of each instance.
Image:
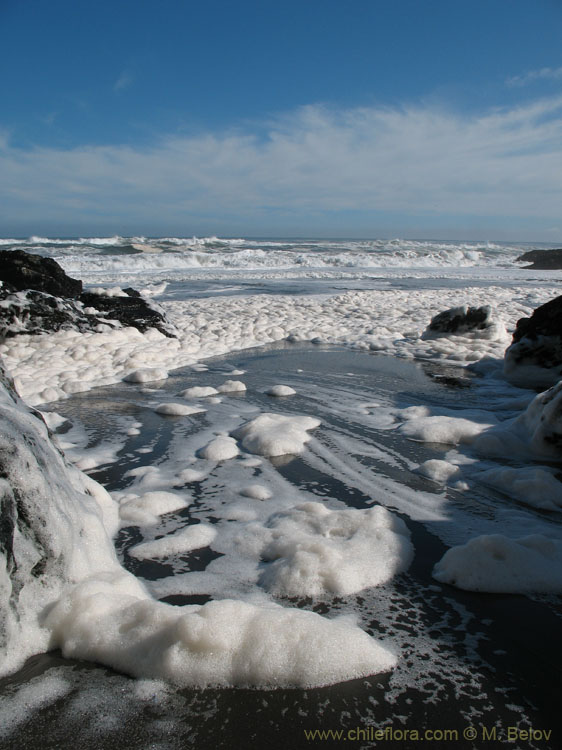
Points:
(47, 513)
(450, 382)
(34, 312)
(23, 270)
(534, 357)
(546, 260)
(132, 310)
(38, 297)
(546, 320)
(459, 320)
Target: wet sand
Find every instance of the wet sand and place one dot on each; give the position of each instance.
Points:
(467, 661)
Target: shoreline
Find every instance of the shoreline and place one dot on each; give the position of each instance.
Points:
(47, 368)
(337, 426)
(447, 630)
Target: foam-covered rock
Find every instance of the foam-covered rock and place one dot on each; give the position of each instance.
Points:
(542, 421)
(37, 296)
(128, 309)
(536, 433)
(534, 357)
(32, 312)
(462, 320)
(55, 528)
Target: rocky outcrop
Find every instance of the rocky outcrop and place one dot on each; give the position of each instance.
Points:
(131, 310)
(32, 312)
(55, 525)
(21, 270)
(546, 260)
(36, 296)
(534, 357)
(459, 320)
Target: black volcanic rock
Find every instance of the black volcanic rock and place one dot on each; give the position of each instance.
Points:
(132, 310)
(543, 260)
(459, 320)
(27, 271)
(36, 296)
(546, 320)
(535, 355)
(34, 312)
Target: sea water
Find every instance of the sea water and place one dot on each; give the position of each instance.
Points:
(227, 490)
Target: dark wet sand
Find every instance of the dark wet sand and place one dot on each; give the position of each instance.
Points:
(493, 661)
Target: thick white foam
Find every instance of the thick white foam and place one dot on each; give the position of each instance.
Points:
(313, 551)
(443, 429)
(221, 643)
(146, 376)
(172, 409)
(199, 391)
(114, 291)
(531, 485)
(220, 448)
(50, 367)
(147, 509)
(276, 434)
(232, 386)
(438, 470)
(281, 390)
(497, 564)
(72, 593)
(185, 540)
(536, 433)
(256, 492)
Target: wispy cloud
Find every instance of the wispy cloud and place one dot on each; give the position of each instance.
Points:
(123, 82)
(412, 161)
(544, 74)
(49, 118)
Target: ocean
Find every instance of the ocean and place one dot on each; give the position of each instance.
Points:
(112, 260)
(331, 522)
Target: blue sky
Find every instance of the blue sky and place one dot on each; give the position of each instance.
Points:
(412, 118)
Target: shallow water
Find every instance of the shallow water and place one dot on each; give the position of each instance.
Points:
(465, 659)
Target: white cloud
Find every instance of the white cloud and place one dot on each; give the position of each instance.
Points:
(123, 82)
(413, 161)
(552, 74)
